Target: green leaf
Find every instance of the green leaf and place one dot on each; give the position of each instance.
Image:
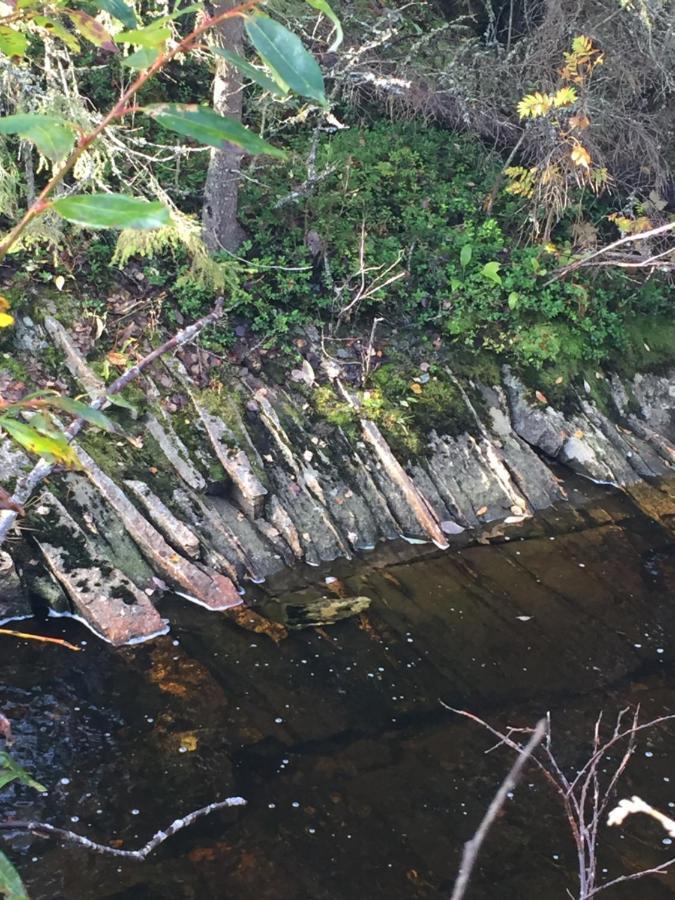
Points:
(491, 271)
(324, 8)
(53, 447)
(119, 400)
(152, 36)
(206, 126)
(11, 886)
(12, 42)
(194, 7)
(82, 411)
(141, 59)
(53, 138)
(56, 29)
(465, 253)
(112, 211)
(286, 56)
(513, 300)
(90, 29)
(119, 10)
(8, 766)
(254, 74)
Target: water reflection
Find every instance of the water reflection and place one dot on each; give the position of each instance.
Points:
(359, 784)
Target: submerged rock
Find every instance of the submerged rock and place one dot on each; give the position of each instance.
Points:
(318, 612)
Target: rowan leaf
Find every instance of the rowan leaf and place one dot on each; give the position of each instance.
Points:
(566, 96)
(53, 138)
(580, 156)
(284, 53)
(112, 211)
(534, 105)
(208, 127)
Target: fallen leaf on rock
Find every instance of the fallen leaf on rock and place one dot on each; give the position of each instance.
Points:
(542, 398)
(481, 511)
(450, 527)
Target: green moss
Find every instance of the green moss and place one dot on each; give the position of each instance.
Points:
(336, 410)
(649, 345)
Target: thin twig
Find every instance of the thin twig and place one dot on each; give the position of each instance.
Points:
(43, 468)
(38, 637)
(43, 829)
(628, 239)
(472, 847)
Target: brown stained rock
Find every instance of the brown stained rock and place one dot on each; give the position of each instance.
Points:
(108, 601)
(396, 472)
(204, 586)
(248, 491)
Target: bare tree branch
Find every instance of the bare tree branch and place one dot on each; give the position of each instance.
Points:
(628, 239)
(43, 829)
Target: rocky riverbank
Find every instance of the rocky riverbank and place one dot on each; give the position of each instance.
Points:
(205, 491)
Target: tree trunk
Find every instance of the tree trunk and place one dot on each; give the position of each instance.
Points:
(219, 215)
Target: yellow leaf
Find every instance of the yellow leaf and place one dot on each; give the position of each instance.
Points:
(59, 281)
(416, 388)
(534, 105)
(6, 320)
(582, 45)
(566, 96)
(559, 379)
(580, 156)
(117, 359)
(4, 303)
(188, 742)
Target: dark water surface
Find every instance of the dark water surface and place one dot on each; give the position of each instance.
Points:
(359, 784)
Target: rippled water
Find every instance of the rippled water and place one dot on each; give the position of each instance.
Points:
(359, 784)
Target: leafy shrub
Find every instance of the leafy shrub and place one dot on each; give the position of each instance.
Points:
(418, 193)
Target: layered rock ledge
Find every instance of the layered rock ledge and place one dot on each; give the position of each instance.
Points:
(232, 486)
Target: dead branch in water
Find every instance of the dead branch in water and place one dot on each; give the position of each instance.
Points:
(43, 469)
(43, 829)
(586, 796)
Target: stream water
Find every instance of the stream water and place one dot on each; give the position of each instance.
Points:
(359, 783)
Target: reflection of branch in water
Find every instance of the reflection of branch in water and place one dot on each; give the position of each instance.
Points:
(472, 847)
(584, 797)
(42, 829)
